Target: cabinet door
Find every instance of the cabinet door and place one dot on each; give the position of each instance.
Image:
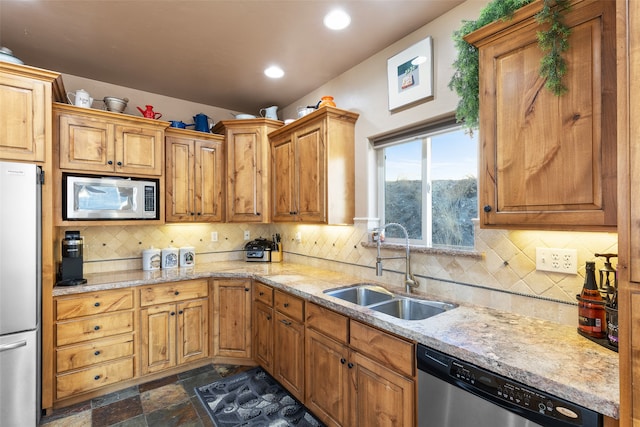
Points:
(139, 150)
(282, 170)
(86, 144)
(327, 378)
(547, 160)
(158, 338)
(179, 180)
(310, 174)
(232, 318)
(380, 397)
(263, 335)
(246, 169)
(193, 330)
(289, 355)
(209, 181)
(23, 121)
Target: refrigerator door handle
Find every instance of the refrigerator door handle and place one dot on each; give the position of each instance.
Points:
(13, 345)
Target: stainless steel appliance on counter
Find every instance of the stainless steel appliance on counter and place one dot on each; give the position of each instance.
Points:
(20, 293)
(259, 250)
(453, 393)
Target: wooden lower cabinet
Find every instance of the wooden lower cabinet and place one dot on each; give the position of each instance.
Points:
(94, 341)
(174, 333)
(232, 318)
(346, 383)
(289, 343)
(263, 322)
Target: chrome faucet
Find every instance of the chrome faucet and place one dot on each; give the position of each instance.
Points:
(409, 280)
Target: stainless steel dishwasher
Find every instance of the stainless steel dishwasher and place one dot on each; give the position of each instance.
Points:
(453, 393)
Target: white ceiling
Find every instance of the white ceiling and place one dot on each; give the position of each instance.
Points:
(207, 51)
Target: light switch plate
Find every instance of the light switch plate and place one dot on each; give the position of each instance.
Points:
(557, 260)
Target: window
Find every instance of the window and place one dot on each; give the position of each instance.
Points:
(427, 181)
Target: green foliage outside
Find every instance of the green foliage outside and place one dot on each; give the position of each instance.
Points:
(454, 205)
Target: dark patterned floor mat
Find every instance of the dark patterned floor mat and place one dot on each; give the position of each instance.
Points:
(253, 398)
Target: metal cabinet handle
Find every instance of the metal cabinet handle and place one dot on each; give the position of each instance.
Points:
(343, 360)
(119, 163)
(268, 317)
(110, 162)
(96, 304)
(350, 365)
(247, 289)
(96, 328)
(173, 313)
(286, 304)
(180, 312)
(260, 293)
(487, 208)
(13, 345)
(176, 293)
(97, 377)
(96, 353)
(286, 322)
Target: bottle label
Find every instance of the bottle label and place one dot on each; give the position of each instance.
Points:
(593, 323)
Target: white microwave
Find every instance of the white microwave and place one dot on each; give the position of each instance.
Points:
(90, 197)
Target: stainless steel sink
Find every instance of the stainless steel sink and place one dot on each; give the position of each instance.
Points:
(361, 294)
(412, 309)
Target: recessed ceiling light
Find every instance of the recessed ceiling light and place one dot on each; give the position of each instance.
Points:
(274, 72)
(337, 19)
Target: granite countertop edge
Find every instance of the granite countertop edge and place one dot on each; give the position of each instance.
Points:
(544, 355)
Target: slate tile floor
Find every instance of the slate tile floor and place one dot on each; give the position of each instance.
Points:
(167, 402)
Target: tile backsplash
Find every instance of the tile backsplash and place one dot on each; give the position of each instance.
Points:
(500, 273)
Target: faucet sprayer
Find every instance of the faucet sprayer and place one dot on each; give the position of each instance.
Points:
(409, 280)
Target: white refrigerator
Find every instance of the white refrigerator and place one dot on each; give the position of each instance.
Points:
(20, 294)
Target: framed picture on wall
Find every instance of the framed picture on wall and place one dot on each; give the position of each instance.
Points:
(410, 75)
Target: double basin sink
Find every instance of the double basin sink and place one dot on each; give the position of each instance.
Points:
(381, 300)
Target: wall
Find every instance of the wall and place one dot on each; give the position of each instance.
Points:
(500, 272)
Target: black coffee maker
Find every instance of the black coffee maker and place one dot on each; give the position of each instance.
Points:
(70, 271)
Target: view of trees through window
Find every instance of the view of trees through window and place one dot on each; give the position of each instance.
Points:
(430, 187)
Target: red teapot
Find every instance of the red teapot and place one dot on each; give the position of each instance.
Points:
(149, 113)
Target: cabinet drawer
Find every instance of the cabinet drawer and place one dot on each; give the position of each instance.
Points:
(106, 325)
(263, 293)
(328, 322)
(292, 306)
(389, 350)
(95, 303)
(92, 353)
(94, 377)
(171, 292)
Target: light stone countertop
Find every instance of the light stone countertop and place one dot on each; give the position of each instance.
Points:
(548, 356)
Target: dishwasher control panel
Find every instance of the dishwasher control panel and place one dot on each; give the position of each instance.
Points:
(515, 393)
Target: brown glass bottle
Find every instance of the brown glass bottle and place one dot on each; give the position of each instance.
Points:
(591, 313)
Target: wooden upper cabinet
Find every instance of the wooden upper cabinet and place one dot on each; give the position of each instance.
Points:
(25, 104)
(548, 161)
(105, 142)
(247, 151)
(313, 169)
(194, 176)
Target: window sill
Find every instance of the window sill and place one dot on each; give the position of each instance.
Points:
(470, 253)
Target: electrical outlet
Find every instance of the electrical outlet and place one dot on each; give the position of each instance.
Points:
(557, 260)
(247, 235)
(214, 236)
(298, 237)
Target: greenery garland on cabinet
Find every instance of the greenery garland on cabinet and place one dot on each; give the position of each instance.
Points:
(553, 40)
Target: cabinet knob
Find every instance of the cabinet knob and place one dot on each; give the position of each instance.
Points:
(258, 213)
(260, 293)
(96, 304)
(286, 304)
(269, 317)
(343, 360)
(176, 293)
(96, 353)
(119, 163)
(247, 289)
(180, 312)
(199, 213)
(350, 365)
(96, 328)
(192, 213)
(97, 377)
(173, 313)
(487, 208)
(293, 212)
